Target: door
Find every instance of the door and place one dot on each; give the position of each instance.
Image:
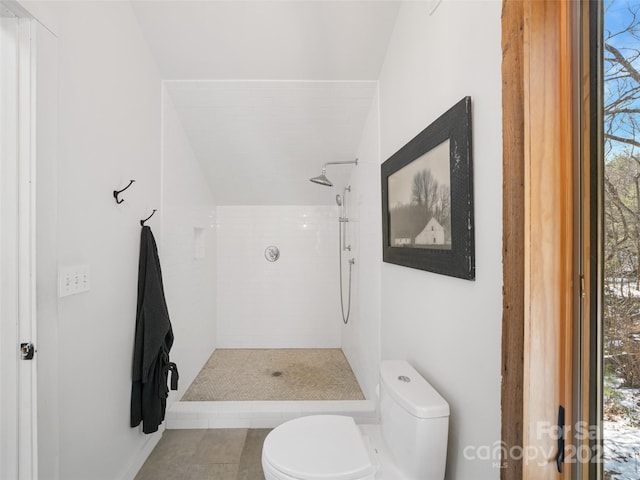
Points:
(18, 414)
(541, 279)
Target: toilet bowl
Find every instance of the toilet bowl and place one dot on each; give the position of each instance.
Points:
(409, 444)
(317, 447)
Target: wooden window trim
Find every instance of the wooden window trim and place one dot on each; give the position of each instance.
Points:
(512, 234)
(538, 229)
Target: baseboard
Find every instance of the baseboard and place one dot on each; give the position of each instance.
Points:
(141, 456)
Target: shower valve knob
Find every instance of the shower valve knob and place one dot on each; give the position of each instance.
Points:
(272, 253)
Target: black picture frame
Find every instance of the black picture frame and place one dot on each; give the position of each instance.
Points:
(419, 230)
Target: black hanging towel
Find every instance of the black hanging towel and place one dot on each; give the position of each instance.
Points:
(153, 341)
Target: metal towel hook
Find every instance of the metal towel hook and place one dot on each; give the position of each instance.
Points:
(142, 221)
(118, 192)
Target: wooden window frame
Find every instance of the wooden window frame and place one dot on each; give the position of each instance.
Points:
(540, 270)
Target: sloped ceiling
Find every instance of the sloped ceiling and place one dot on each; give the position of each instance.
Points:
(260, 142)
(268, 91)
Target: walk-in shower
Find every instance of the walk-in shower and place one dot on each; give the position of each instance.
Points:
(343, 220)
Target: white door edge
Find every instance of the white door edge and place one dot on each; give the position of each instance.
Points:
(18, 412)
(27, 259)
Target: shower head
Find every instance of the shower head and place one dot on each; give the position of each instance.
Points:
(339, 200)
(322, 180)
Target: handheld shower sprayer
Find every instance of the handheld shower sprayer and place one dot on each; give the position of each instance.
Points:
(341, 200)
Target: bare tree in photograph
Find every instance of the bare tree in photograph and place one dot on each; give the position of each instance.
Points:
(410, 218)
(424, 189)
(429, 199)
(442, 208)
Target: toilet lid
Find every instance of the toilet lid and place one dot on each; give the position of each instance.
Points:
(318, 447)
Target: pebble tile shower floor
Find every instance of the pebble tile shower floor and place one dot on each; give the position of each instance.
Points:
(275, 374)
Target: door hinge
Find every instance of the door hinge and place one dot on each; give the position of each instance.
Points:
(27, 350)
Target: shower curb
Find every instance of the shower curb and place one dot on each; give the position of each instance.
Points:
(262, 414)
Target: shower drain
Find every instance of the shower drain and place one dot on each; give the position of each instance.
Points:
(276, 374)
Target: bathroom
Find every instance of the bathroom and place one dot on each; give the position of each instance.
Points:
(128, 106)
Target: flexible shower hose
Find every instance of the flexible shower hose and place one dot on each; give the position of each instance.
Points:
(345, 320)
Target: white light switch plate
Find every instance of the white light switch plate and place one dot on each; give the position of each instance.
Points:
(72, 280)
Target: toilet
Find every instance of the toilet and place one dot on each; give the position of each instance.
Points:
(409, 444)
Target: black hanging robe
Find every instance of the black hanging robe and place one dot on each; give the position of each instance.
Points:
(153, 340)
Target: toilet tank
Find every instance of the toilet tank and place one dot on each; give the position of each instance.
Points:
(414, 419)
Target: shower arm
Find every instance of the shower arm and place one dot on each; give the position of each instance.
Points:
(323, 180)
(350, 162)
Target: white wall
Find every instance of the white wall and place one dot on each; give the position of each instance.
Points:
(109, 132)
(450, 329)
(361, 336)
(189, 279)
(291, 303)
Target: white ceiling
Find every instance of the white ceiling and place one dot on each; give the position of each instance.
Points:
(268, 91)
(298, 40)
(259, 142)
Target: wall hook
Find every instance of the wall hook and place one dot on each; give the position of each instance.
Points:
(118, 192)
(142, 221)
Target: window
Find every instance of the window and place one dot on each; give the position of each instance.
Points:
(620, 320)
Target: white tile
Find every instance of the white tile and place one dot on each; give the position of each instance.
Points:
(261, 414)
(280, 304)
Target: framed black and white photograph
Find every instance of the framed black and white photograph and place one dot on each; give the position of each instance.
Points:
(427, 198)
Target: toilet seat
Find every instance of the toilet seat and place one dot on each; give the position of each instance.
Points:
(317, 447)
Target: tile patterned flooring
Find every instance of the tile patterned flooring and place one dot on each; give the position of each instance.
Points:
(275, 375)
(220, 454)
(242, 375)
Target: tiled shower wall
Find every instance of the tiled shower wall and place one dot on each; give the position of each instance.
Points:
(361, 336)
(188, 251)
(291, 303)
